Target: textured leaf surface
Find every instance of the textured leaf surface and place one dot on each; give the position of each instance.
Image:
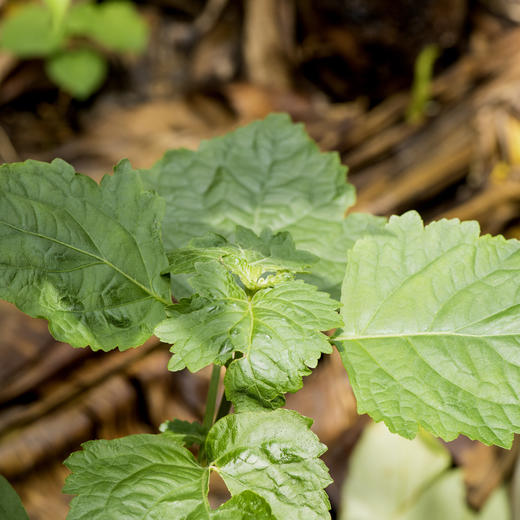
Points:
(74, 252)
(268, 174)
(391, 478)
(276, 329)
(258, 260)
(79, 72)
(432, 329)
(154, 476)
(11, 507)
(276, 455)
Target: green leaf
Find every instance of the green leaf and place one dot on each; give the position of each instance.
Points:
(391, 478)
(29, 32)
(74, 253)
(259, 261)
(276, 455)
(276, 330)
(58, 8)
(80, 72)
(116, 25)
(246, 506)
(432, 329)
(153, 476)
(187, 433)
(269, 174)
(11, 507)
(333, 244)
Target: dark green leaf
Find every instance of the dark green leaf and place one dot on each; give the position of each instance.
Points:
(74, 253)
(11, 507)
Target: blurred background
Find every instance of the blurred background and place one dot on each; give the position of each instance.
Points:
(422, 101)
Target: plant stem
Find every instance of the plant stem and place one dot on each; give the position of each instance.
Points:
(211, 400)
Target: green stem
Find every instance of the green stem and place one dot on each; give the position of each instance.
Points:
(211, 400)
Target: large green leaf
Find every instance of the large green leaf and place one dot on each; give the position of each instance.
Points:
(391, 478)
(11, 507)
(269, 461)
(86, 257)
(276, 330)
(432, 329)
(268, 174)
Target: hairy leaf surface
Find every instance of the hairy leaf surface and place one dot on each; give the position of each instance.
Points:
(74, 253)
(268, 174)
(154, 476)
(276, 330)
(432, 329)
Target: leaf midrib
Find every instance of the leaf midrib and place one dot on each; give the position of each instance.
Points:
(92, 255)
(354, 337)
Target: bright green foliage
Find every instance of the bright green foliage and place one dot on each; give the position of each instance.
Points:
(11, 507)
(391, 478)
(80, 72)
(154, 476)
(58, 8)
(116, 25)
(74, 252)
(268, 174)
(29, 32)
(276, 329)
(432, 329)
(45, 31)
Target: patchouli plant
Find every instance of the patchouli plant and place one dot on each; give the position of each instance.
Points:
(235, 255)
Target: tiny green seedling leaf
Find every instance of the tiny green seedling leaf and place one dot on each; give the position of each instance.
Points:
(80, 72)
(268, 174)
(432, 329)
(116, 25)
(29, 33)
(250, 451)
(74, 253)
(11, 507)
(273, 332)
